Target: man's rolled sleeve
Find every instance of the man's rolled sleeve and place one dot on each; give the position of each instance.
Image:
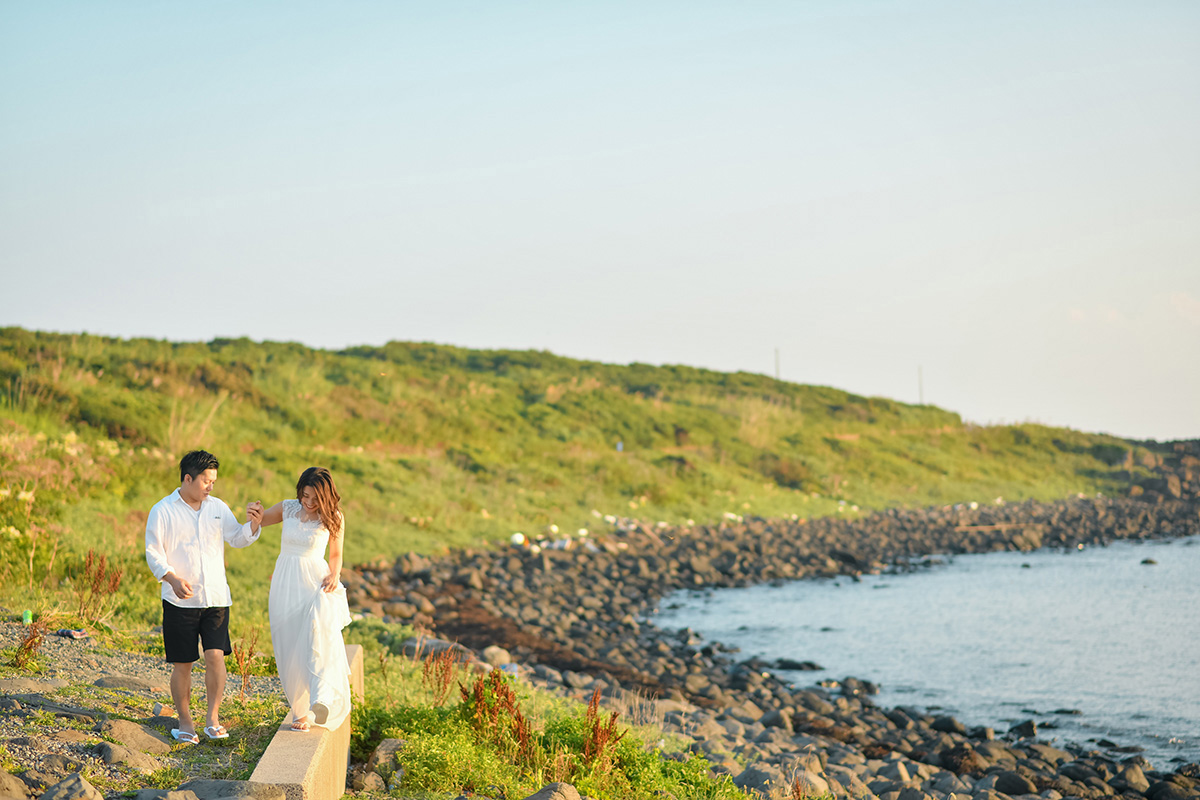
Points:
(237, 534)
(156, 553)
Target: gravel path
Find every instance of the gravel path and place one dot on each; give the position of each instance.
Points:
(52, 718)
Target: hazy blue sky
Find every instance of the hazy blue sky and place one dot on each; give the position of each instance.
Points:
(1007, 194)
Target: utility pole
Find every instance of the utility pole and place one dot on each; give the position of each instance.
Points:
(920, 386)
(776, 363)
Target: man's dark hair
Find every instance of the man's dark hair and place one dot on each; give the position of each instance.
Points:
(196, 462)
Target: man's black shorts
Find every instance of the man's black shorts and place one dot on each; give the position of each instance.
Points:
(182, 627)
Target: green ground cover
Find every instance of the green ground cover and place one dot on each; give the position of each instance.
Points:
(437, 446)
(498, 737)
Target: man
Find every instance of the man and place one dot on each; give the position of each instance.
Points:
(185, 536)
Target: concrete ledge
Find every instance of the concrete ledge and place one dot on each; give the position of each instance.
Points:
(312, 765)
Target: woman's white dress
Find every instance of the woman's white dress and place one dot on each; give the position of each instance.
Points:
(306, 623)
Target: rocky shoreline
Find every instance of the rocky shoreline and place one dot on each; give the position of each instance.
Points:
(574, 610)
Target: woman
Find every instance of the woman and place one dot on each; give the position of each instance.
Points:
(307, 605)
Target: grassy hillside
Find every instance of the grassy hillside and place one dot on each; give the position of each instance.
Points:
(438, 446)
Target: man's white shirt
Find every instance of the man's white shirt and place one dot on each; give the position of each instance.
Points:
(191, 544)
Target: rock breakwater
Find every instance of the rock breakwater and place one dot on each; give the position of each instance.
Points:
(578, 614)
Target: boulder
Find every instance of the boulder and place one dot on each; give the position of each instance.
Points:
(778, 718)
(963, 759)
(555, 791)
(1167, 790)
(12, 786)
(804, 783)
(74, 787)
(206, 789)
(1131, 777)
(129, 682)
(762, 778)
(496, 656)
(948, 724)
(894, 771)
(135, 736)
(14, 685)
(118, 754)
(1026, 729)
(1014, 783)
(384, 756)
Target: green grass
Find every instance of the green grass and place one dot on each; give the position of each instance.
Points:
(447, 751)
(437, 447)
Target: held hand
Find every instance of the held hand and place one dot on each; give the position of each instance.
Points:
(183, 589)
(329, 583)
(254, 512)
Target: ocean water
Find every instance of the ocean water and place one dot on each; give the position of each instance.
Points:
(997, 638)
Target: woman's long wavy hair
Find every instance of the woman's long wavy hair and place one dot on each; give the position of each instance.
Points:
(329, 502)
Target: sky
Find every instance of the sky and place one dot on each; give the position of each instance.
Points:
(1000, 197)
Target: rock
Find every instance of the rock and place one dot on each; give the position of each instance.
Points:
(129, 682)
(496, 656)
(1051, 755)
(163, 794)
(799, 666)
(8, 705)
(67, 712)
(118, 754)
(963, 759)
(577, 680)
(807, 784)
(763, 778)
(1131, 777)
(1013, 783)
(555, 791)
(431, 647)
(1166, 790)
(400, 610)
(70, 735)
(778, 718)
(15, 685)
(384, 755)
(74, 787)
(948, 724)
(241, 790)
(1025, 730)
(12, 786)
(808, 761)
(912, 794)
(947, 783)
(894, 771)
(135, 736)
(60, 766)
